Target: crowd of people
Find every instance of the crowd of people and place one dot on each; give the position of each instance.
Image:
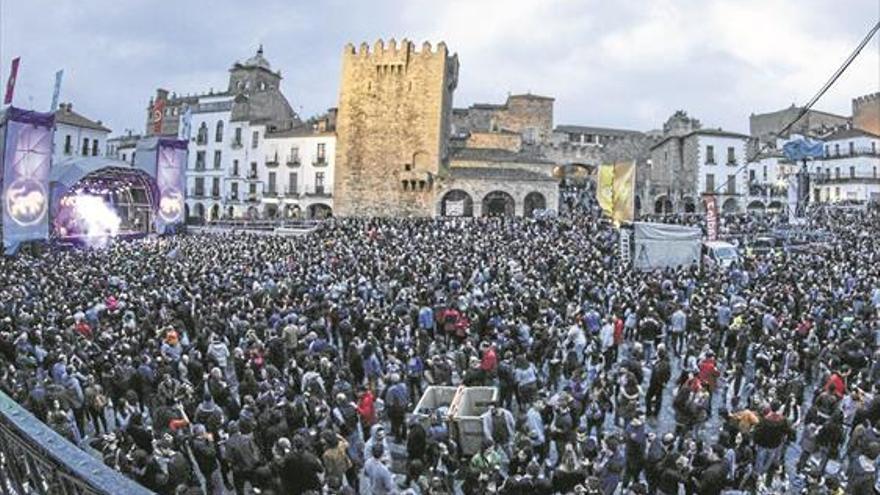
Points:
(235, 363)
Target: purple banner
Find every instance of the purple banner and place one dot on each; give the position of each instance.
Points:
(170, 180)
(27, 158)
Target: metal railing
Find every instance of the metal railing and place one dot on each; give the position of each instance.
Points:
(263, 224)
(34, 459)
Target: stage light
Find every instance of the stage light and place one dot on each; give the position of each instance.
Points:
(100, 222)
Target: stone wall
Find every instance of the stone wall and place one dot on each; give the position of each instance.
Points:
(392, 128)
(478, 189)
(529, 115)
(866, 113)
(497, 140)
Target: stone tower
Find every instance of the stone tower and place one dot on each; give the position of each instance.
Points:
(866, 113)
(392, 128)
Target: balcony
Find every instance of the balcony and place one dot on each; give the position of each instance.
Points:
(767, 191)
(215, 194)
(252, 198)
(272, 161)
(271, 193)
(731, 163)
(200, 167)
(858, 179)
(318, 192)
(198, 194)
(202, 140)
(236, 145)
(252, 175)
(293, 162)
(861, 151)
(233, 198)
(291, 193)
(320, 162)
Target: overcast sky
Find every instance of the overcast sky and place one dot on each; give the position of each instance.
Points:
(622, 63)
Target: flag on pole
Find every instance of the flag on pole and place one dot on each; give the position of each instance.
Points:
(605, 189)
(57, 92)
(10, 84)
(623, 198)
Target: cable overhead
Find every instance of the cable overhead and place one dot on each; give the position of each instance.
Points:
(806, 108)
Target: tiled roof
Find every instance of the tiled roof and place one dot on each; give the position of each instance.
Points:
(495, 155)
(66, 115)
(499, 173)
(849, 134)
(582, 129)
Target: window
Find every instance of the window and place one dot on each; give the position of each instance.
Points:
(215, 187)
(200, 160)
(710, 154)
(827, 150)
(319, 182)
(237, 140)
(321, 151)
(200, 186)
(85, 147)
(710, 183)
(837, 192)
(94, 147)
(252, 189)
(235, 168)
(731, 156)
(202, 136)
(253, 173)
(217, 158)
(852, 172)
(68, 147)
(873, 147)
(731, 184)
(255, 139)
(294, 154)
(875, 171)
(752, 176)
(291, 183)
(836, 172)
(765, 173)
(852, 148)
(836, 150)
(271, 182)
(124, 157)
(218, 132)
(234, 190)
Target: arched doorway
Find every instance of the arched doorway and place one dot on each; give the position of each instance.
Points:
(663, 205)
(292, 211)
(199, 211)
(689, 205)
(186, 212)
(457, 203)
(253, 213)
(498, 204)
(729, 206)
(271, 211)
(230, 212)
(320, 211)
(533, 201)
(215, 212)
(775, 206)
(756, 207)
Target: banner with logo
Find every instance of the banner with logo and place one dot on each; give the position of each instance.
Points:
(10, 83)
(455, 208)
(170, 183)
(623, 196)
(158, 115)
(605, 188)
(711, 217)
(27, 158)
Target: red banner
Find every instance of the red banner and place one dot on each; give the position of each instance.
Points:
(10, 84)
(711, 218)
(158, 115)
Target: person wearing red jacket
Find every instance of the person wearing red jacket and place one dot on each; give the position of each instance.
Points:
(836, 383)
(366, 409)
(490, 359)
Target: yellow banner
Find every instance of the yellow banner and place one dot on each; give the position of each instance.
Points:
(605, 188)
(623, 195)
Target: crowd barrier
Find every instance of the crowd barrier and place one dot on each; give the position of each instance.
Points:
(34, 459)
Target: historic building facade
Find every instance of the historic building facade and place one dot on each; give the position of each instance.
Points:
(848, 171)
(392, 128)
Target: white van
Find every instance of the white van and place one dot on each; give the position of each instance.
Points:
(720, 253)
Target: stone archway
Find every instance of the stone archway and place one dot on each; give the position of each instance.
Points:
(730, 205)
(270, 211)
(498, 204)
(775, 206)
(689, 205)
(533, 201)
(199, 211)
(663, 205)
(215, 212)
(457, 203)
(320, 211)
(756, 206)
